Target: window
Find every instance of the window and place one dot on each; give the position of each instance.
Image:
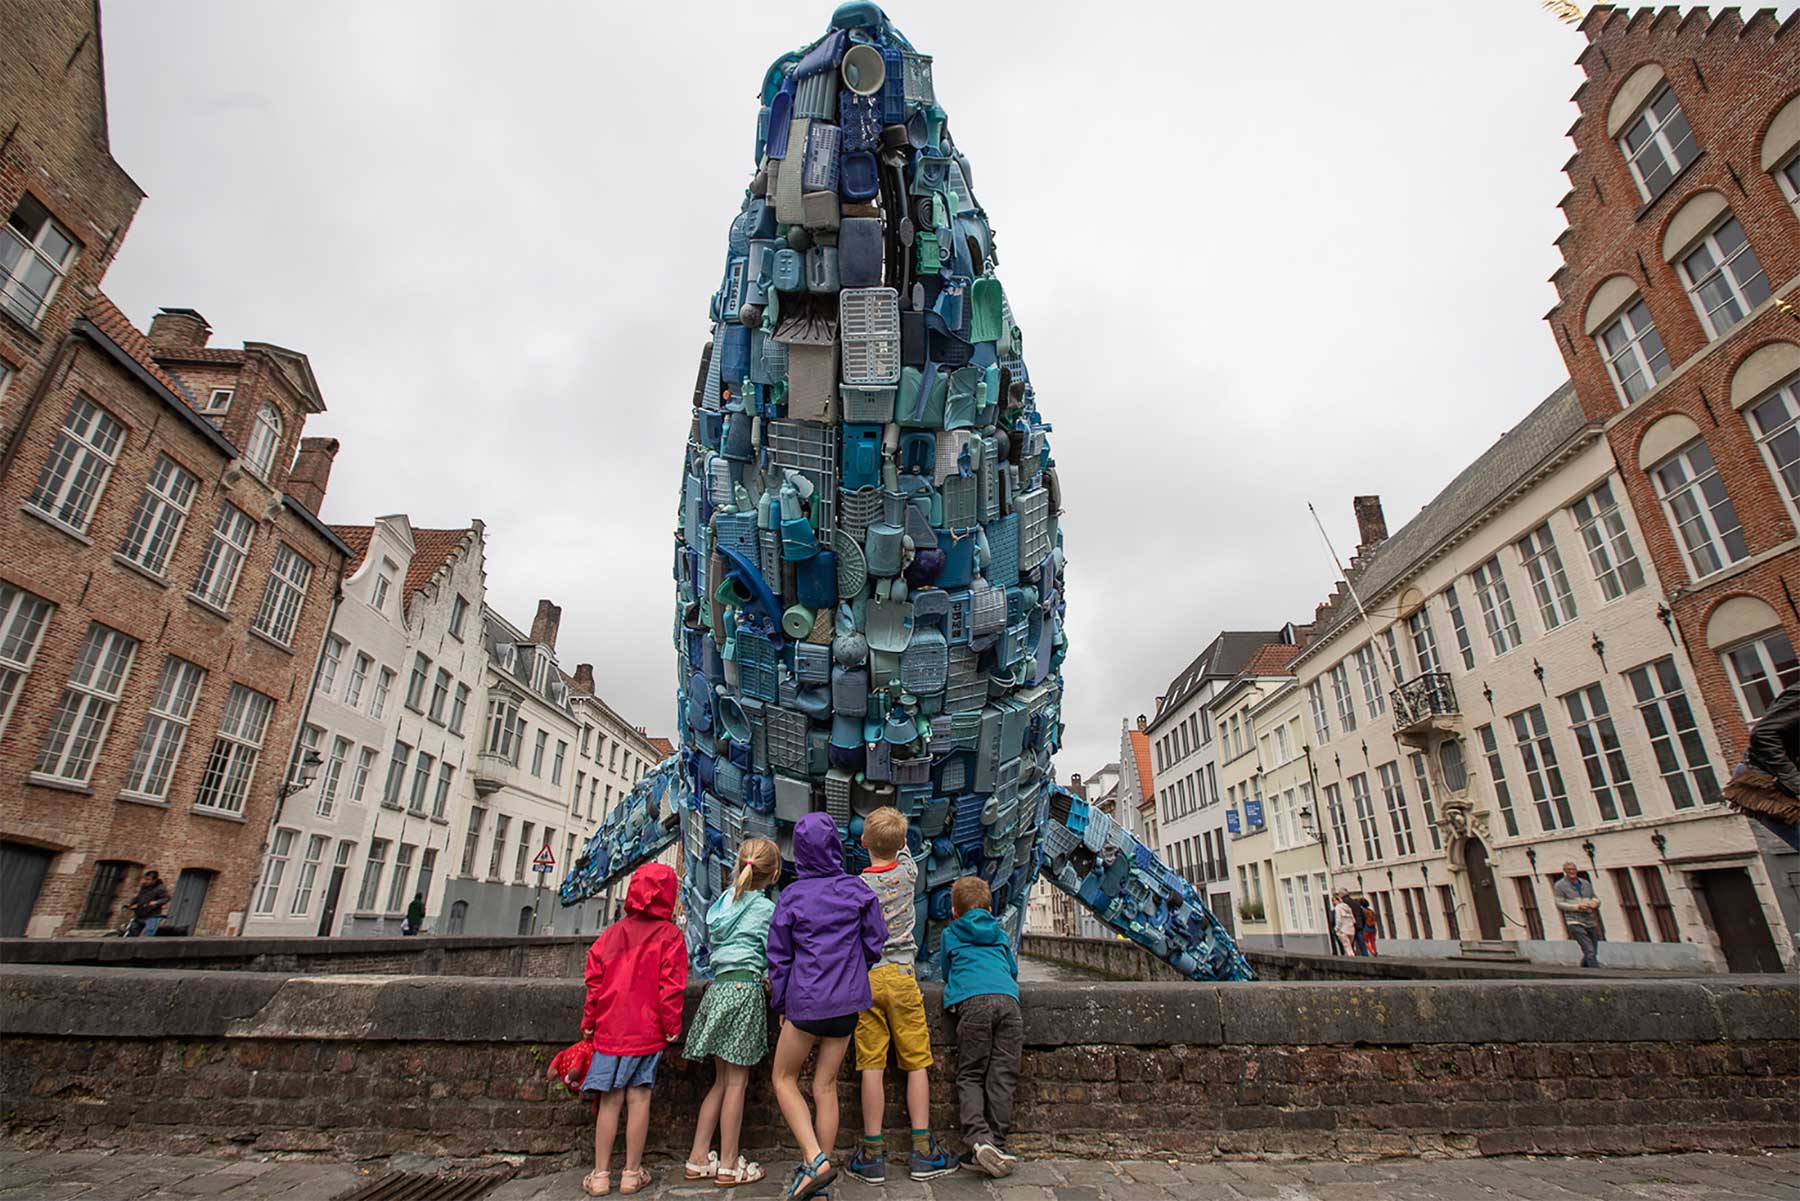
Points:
(503, 731)
(286, 590)
(1658, 144)
(359, 674)
(1340, 691)
(1370, 673)
(359, 781)
(427, 869)
(1315, 699)
(587, 741)
(501, 821)
(580, 779)
(1549, 583)
(472, 840)
(1424, 642)
(459, 707)
(1412, 918)
(1674, 736)
(1634, 353)
(1660, 909)
(384, 683)
(22, 619)
(440, 801)
(556, 766)
(1393, 654)
(397, 896)
(1460, 627)
(459, 609)
(1601, 754)
(333, 774)
(1723, 278)
(1788, 176)
(396, 777)
(235, 749)
(1365, 817)
(1283, 749)
(1450, 763)
(594, 794)
(1490, 749)
(78, 728)
(1340, 829)
(421, 784)
(273, 868)
(224, 557)
(537, 753)
(309, 871)
(1542, 772)
(329, 661)
(1760, 669)
(217, 403)
(371, 885)
(440, 693)
(161, 510)
(1528, 906)
(1610, 553)
(1776, 422)
(165, 730)
(1496, 606)
(1699, 509)
(81, 460)
(524, 855)
(415, 684)
(1399, 815)
(1628, 901)
(265, 440)
(98, 910)
(384, 583)
(1422, 778)
(35, 253)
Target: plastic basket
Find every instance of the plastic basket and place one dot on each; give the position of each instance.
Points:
(870, 405)
(810, 448)
(869, 331)
(1003, 551)
(860, 509)
(728, 779)
(925, 664)
(852, 571)
(757, 662)
(736, 531)
(786, 731)
(837, 796)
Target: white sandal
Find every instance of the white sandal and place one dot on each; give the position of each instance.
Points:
(705, 1172)
(605, 1186)
(744, 1173)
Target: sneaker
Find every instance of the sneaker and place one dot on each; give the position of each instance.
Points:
(991, 1161)
(938, 1162)
(967, 1161)
(1008, 1156)
(870, 1169)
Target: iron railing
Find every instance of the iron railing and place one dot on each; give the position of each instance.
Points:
(1422, 697)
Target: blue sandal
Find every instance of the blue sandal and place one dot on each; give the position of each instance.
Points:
(809, 1181)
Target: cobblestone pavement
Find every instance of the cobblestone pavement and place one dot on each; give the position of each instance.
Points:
(53, 1176)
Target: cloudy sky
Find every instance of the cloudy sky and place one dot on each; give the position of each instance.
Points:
(1262, 255)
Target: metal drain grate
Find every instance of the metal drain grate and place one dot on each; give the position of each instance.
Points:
(428, 1186)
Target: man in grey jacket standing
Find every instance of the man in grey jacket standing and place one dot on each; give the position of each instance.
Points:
(1580, 913)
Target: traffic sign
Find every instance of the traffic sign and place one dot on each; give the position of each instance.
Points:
(545, 861)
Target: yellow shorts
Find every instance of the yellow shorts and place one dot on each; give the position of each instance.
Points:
(897, 1014)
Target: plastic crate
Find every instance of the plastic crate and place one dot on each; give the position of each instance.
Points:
(816, 96)
(867, 405)
(916, 75)
(758, 666)
(736, 531)
(728, 779)
(925, 664)
(911, 769)
(1033, 508)
(786, 731)
(810, 448)
(1003, 551)
(869, 333)
(821, 164)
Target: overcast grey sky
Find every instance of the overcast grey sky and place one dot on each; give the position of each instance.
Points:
(1262, 255)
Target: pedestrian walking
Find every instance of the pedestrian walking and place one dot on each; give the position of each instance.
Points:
(1343, 922)
(415, 915)
(1365, 924)
(149, 906)
(1580, 913)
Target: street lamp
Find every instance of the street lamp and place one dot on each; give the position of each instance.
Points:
(305, 772)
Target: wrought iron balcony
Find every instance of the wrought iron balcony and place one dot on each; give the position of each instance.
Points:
(1425, 702)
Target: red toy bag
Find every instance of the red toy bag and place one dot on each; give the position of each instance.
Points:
(570, 1065)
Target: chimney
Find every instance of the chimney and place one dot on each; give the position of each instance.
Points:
(179, 329)
(584, 679)
(312, 471)
(1371, 525)
(544, 625)
(1143, 722)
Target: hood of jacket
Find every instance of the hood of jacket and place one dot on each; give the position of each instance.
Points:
(818, 851)
(978, 926)
(652, 891)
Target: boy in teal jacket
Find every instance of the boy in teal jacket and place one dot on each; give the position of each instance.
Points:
(981, 989)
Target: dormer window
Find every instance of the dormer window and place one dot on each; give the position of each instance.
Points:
(540, 671)
(1658, 143)
(35, 254)
(265, 440)
(218, 403)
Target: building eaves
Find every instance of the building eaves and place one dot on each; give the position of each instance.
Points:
(1223, 658)
(156, 383)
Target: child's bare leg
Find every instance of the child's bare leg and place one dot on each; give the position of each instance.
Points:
(874, 1102)
(637, 1126)
(791, 1050)
(606, 1127)
(731, 1112)
(918, 1098)
(825, 1094)
(708, 1119)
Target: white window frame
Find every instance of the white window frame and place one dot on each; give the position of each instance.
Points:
(217, 402)
(333, 775)
(165, 730)
(396, 775)
(556, 764)
(283, 596)
(1366, 821)
(236, 750)
(24, 248)
(1734, 285)
(268, 889)
(384, 683)
(1342, 697)
(161, 513)
(77, 732)
(309, 871)
(359, 676)
(1762, 655)
(440, 694)
(472, 841)
(1711, 536)
(403, 862)
(1496, 766)
(1674, 733)
(1543, 771)
(265, 440)
(1393, 791)
(1424, 642)
(459, 709)
(373, 868)
(330, 659)
(423, 767)
(1774, 421)
(233, 532)
(384, 583)
(537, 753)
(80, 464)
(1495, 599)
(359, 777)
(1465, 646)
(23, 618)
(1315, 698)
(459, 610)
(1549, 582)
(1657, 138)
(1634, 369)
(1368, 670)
(1602, 756)
(1611, 555)
(440, 800)
(1422, 778)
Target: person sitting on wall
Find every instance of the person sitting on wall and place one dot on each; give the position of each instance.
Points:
(1580, 912)
(149, 906)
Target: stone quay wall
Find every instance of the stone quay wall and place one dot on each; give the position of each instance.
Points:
(357, 1065)
(540, 956)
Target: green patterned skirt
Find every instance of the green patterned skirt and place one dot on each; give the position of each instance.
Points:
(732, 1023)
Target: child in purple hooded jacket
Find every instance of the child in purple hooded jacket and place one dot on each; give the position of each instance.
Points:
(827, 932)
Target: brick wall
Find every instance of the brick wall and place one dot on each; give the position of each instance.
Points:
(544, 957)
(456, 1067)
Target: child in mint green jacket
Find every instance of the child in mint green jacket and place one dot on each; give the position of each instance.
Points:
(981, 988)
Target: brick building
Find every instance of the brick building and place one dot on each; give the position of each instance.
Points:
(163, 593)
(1676, 318)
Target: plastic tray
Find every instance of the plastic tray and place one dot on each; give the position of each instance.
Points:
(869, 330)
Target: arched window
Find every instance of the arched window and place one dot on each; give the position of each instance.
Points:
(1651, 130)
(265, 440)
(459, 914)
(1758, 654)
(1681, 467)
(1781, 150)
(525, 920)
(1450, 762)
(1619, 322)
(1717, 265)
(1766, 389)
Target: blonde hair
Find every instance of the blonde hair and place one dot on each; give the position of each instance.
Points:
(970, 892)
(884, 832)
(759, 862)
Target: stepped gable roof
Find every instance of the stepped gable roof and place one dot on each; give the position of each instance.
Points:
(431, 550)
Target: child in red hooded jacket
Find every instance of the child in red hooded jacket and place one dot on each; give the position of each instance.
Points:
(636, 971)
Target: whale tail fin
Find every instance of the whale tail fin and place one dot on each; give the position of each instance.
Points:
(635, 832)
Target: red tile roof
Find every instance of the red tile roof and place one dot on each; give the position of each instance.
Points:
(117, 326)
(1140, 749)
(431, 550)
(663, 746)
(1271, 660)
